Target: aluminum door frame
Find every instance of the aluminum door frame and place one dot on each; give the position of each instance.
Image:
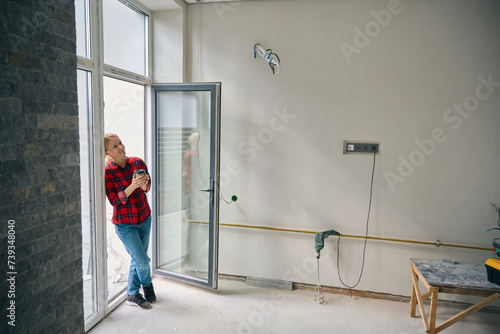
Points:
(215, 117)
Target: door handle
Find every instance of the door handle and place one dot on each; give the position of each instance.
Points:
(211, 189)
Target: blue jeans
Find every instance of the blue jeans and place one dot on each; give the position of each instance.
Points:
(135, 238)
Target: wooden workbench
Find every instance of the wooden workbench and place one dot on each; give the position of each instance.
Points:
(448, 277)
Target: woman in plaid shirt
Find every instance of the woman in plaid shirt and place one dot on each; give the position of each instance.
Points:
(126, 192)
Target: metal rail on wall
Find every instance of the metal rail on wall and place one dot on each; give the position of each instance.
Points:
(436, 243)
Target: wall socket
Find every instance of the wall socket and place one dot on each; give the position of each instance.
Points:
(352, 146)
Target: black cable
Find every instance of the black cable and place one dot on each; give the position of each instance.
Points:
(269, 53)
(270, 63)
(366, 235)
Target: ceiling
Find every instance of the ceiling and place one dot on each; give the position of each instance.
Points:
(194, 1)
(156, 5)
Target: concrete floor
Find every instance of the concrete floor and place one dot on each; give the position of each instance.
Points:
(238, 308)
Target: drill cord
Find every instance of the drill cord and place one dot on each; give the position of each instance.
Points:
(366, 235)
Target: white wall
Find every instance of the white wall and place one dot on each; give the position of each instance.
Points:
(282, 134)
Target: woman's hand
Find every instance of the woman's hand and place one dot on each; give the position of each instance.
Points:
(140, 181)
(137, 182)
(145, 186)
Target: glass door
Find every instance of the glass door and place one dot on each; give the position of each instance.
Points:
(186, 147)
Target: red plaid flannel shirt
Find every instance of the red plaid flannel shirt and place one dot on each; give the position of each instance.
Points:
(134, 209)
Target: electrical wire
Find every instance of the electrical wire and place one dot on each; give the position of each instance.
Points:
(223, 199)
(271, 57)
(268, 55)
(366, 235)
(199, 39)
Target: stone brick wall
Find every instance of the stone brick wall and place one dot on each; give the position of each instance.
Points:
(39, 169)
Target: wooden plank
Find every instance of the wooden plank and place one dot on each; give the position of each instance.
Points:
(422, 278)
(432, 313)
(466, 292)
(413, 301)
(420, 302)
(474, 308)
(426, 295)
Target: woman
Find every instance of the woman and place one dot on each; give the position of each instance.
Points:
(126, 191)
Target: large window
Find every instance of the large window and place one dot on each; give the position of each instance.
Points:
(124, 116)
(112, 50)
(125, 28)
(82, 19)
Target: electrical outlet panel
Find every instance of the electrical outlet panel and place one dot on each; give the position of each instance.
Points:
(351, 146)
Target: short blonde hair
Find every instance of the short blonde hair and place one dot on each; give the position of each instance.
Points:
(107, 139)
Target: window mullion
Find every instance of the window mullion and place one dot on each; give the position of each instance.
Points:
(96, 9)
(121, 74)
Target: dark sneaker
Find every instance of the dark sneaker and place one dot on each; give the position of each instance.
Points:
(138, 300)
(149, 293)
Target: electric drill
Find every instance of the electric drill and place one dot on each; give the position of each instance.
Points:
(319, 240)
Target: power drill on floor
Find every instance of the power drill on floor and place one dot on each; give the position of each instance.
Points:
(319, 240)
(319, 243)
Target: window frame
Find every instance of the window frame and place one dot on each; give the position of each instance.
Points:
(121, 73)
(97, 69)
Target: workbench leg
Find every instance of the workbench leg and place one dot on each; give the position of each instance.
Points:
(420, 302)
(433, 310)
(413, 307)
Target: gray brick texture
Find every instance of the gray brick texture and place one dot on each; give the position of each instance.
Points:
(39, 168)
